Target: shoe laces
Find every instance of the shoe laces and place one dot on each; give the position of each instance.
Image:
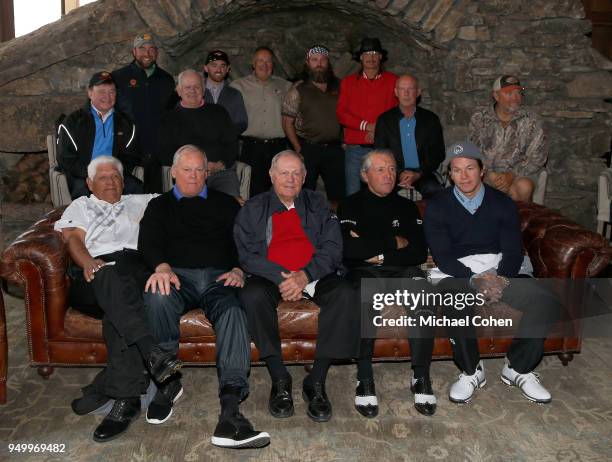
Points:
(470, 379)
(521, 379)
(118, 408)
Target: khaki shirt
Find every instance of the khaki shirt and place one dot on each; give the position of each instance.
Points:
(263, 105)
(519, 147)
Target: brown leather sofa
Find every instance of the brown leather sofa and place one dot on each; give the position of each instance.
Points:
(58, 335)
(3, 351)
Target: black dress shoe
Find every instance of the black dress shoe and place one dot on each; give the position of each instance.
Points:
(424, 398)
(281, 401)
(162, 364)
(118, 420)
(366, 402)
(319, 407)
(89, 402)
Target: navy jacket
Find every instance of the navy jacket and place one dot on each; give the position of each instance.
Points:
(231, 99)
(253, 234)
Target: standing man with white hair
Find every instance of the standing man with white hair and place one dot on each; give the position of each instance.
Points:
(206, 125)
(107, 277)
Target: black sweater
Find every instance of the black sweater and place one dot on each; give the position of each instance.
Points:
(452, 232)
(377, 220)
(190, 233)
(209, 127)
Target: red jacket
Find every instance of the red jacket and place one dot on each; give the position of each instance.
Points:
(361, 101)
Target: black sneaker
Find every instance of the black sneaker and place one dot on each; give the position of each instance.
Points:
(236, 432)
(160, 409)
(162, 364)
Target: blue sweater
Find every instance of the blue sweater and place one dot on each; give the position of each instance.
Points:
(452, 232)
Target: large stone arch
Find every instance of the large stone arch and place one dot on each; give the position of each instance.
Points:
(456, 47)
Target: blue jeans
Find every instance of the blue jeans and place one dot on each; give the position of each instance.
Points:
(199, 289)
(352, 167)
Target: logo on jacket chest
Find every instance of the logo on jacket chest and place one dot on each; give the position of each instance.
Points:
(133, 83)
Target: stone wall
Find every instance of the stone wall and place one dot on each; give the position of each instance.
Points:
(456, 47)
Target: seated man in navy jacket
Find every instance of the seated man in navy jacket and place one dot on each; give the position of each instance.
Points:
(415, 137)
(472, 219)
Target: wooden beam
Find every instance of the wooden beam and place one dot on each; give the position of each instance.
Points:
(7, 20)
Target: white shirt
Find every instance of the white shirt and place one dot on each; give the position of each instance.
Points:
(108, 227)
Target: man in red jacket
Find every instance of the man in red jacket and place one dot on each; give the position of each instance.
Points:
(363, 97)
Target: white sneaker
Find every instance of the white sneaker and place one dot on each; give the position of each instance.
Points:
(529, 384)
(463, 389)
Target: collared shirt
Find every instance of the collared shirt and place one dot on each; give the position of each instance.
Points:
(179, 195)
(214, 89)
(149, 71)
(263, 105)
(105, 133)
(409, 148)
(108, 227)
(518, 147)
(471, 205)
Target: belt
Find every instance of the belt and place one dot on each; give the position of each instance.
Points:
(325, 145)
(371, 146)
(252, 139)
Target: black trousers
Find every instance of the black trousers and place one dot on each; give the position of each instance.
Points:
(338, 327)
(326, 160)
(115, 295)
(421, 339)
(258, 154)
(540, 308)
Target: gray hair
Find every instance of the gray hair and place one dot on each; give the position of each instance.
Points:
(182, 75)
(188, 148)
(287, 153)
(92, 168)
(366, 162)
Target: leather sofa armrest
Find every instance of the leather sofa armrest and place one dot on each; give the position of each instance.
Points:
(38, 258)
(559, 247)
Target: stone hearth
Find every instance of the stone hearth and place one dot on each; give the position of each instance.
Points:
(456, 48)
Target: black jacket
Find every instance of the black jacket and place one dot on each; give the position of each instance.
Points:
(145, 100)
(231, 99)
(208, 127)
(75, 140)
(377, 220)
(253, 234)
(428, 134)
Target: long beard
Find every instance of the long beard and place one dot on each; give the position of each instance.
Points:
(318, 76)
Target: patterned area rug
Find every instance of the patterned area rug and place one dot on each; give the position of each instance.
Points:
(499, 424)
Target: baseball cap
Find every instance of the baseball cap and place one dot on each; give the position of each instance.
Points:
(100, 78)
(506, 83)
(143, 39)
(463, 149)
(217, 55)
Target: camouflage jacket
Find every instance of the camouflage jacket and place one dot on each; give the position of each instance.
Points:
(520, 147)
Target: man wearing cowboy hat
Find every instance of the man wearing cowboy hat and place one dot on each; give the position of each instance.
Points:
(512, 140)
(363, 97)
(309, 120)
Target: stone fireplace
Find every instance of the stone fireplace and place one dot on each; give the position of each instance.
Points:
(456, 47)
